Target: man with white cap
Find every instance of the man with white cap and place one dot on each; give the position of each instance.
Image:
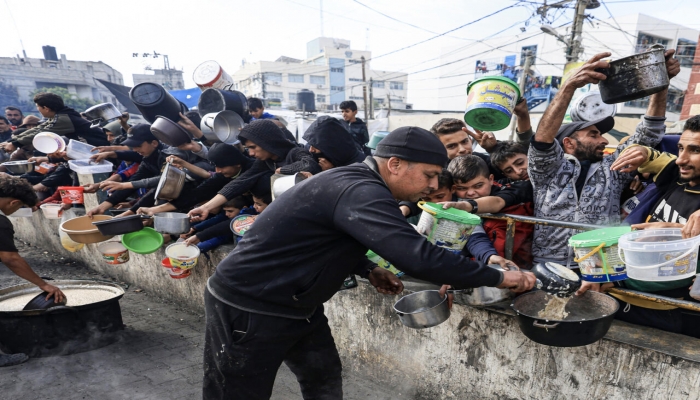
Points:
(264, 303)
(570, 175)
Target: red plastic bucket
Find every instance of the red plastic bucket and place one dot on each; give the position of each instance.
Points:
(71, 194)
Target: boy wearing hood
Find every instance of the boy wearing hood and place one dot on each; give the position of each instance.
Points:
(273, 154)
(331, 144)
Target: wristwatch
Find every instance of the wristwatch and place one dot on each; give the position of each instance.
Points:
(475, 205)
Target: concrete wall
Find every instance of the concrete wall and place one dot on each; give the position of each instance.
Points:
(476, 354)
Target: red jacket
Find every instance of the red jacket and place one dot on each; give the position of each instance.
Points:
(522, 242)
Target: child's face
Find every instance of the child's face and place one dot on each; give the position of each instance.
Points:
(258, 204)
(475, 188)
(440, 194)
(348, 114)
(231, 211)
(515, 168)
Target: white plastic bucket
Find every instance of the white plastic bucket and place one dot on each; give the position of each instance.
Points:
(659, 255)
(182, 256)
(209, 74)
(447, 228)
(51, 211)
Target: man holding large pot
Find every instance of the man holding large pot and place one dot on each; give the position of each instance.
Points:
(264, 303)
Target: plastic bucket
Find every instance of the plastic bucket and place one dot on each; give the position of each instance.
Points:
(241, 224)
(71, 194)
(448, 228)
(596, 253)
(113, 252)
(376, 138)
(182, 256)
(48, 142)
(209, 74)
(659, 255)
(377, 259)
(179, 273)
(490, 102)
(78, 150)
(51, 211)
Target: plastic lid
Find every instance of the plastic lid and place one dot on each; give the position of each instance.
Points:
(241, 224)
(452, 214)
(495, 78)
(206, 72)
(593, 238)
(487, 118)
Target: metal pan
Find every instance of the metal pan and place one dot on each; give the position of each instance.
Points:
(171, 183)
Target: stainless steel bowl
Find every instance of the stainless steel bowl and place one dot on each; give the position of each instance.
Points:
(422, 309)
(105, 112)
(19, 167)
(171, 183)
(171, 222)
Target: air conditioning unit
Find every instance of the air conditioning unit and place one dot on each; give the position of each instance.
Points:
(319, 86)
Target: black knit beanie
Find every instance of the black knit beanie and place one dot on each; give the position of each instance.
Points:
(224, 155)
(415, 144)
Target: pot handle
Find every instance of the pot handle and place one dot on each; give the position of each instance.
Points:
(545, 326)
(59, 308)
(420, 205)
(228, 87)
(144, 216)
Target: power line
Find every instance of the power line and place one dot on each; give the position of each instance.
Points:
(394, 19)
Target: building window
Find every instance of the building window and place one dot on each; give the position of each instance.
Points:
(396, 85)
(685, 52)
(274, 95)
(524, 53)
(292, 97)
(320, 98)
(337, 88)
(341, 70)
(380, 84)
(356, 98)
(318, 80)
(273, 77)
(355, 80)
(296, 78)
(645, 41)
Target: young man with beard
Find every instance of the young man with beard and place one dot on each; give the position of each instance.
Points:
(572, 181)
(14, 115)
(678, 182)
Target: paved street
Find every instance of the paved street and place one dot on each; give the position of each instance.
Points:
(158, 355)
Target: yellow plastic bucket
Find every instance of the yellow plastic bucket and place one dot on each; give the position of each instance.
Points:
(490, 102)
(182, 256)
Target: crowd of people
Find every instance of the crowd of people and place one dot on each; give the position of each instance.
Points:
(265, 301)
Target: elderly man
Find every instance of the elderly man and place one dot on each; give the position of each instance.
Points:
(571, 178)
(264, 303)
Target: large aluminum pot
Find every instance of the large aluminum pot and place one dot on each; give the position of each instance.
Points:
(102, 113)
(422, 309)
(170, 184)
(207, 127)
(282, 183)
(227, 126)
(153, 100)
(172, 223)
(215, 100)
(634, 77)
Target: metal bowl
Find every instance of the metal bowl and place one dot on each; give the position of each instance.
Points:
(169, 132)
(19, 167)
(171, 183)
(422, 309)
(105, 112)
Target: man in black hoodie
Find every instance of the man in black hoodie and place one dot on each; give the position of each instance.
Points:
(62, 121)
(331, 144)
(273, 154)
(264, 303)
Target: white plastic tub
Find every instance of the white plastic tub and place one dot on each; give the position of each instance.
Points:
(87, 167)
(659, 255)
(79, 150)
(51, 211)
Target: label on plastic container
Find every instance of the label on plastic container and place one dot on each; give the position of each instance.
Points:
(448, 234)
(602, 266)
(680, 267)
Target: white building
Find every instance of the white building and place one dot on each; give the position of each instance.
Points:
(171, 79)
(635, 33)
(332, 70)
(25, 75)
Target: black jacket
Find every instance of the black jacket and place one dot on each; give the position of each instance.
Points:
(300, 250)
(209, 188)
(328, 135)
(67, 122)
(359, 132)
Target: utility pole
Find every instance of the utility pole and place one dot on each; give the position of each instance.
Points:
(371, 102)
(262, 84)
(574, 50)
(523, 81)
(388, 103)
(364, 85)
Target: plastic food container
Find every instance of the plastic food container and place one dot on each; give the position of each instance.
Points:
(448, 228)
(51, 211)
(659, 255)
(48, 142)
(596, 254)
(87, 166)
(241, 223)
(23, 212)
(145, 241)
(178, 273)
(113, 252)
(182, 256)
(377, 259)
(45, 168)
(78, 150)
(490, 102)
(71, 194)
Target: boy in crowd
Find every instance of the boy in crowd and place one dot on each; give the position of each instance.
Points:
(216, 231)
(354, 125)
(331, 144)
(261, 202)
(511, 159)
(473, 180)
(15, 193)
(257, 109)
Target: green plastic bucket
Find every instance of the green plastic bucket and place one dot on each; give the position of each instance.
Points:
(376, 138)
(377, 259)
(448, 228)
(597, 256)
(145, 241)
(490, 102)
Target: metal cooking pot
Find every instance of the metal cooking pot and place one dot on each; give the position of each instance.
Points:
(589, 319)
(227, 126)
(19, 167)
(170, 184)
(422, 309)
(153, 100)
(121, 225)
(590, 107)
(169, 132)
(215, 100)
(207, 127)
(171, 222)
(552, 279)
(634, 77)
(282, 183)
(102, 113)
(61, 330)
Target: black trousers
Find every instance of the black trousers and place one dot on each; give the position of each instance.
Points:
(243, 351)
